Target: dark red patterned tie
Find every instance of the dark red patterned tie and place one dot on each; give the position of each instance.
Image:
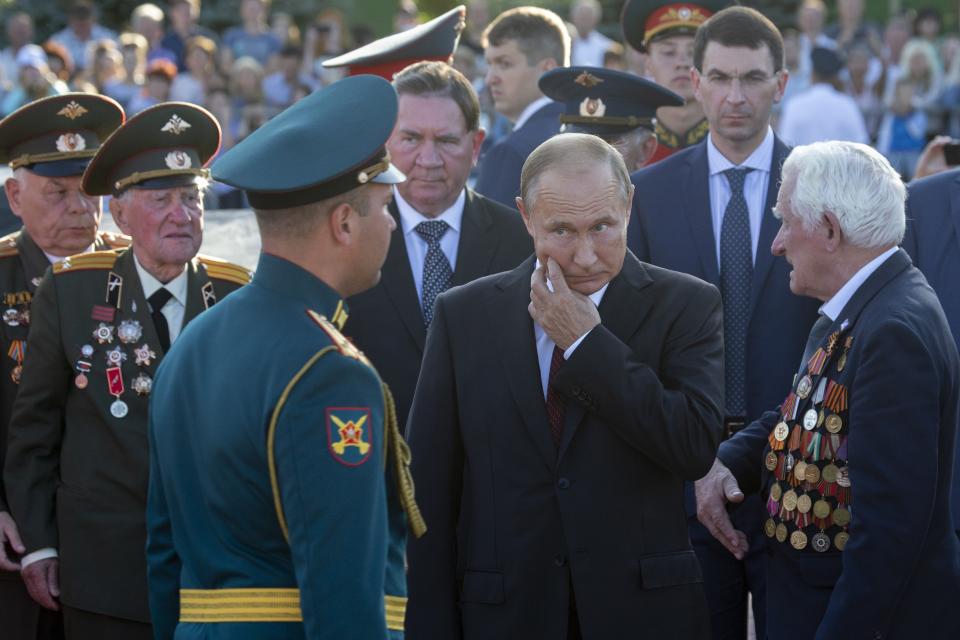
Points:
(556, 402)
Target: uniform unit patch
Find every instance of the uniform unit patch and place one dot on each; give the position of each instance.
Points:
(348, 434)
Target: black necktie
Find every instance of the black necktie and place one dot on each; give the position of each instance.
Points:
(159, 298)
(436, 268)
(736, 274)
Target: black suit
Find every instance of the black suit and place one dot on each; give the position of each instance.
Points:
(517, 529)
(386, 322)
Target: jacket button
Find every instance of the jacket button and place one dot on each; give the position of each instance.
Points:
(563, 483)
(560, 561)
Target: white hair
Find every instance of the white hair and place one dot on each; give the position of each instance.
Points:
(852, 181)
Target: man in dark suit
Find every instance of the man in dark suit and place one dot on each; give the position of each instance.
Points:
(933, 241)
(706, 211)
(520, 45)
(560, 407)
(435, 143)
(856, 463)
(76, 462)
(58, 220)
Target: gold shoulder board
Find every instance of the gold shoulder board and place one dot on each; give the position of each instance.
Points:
(223, 270)
(96, 260)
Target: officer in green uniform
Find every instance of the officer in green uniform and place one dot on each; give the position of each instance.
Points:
(47, 144)
(76, 464)
(279, 484)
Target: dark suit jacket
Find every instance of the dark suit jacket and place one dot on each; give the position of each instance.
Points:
(899, 574)
(499, 173)
(933, 242)
(514, 524)
(76, 476)
(672, 227)
(386, 322)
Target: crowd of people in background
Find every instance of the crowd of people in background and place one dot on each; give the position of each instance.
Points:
(903, 76)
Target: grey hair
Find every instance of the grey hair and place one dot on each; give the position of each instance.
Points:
(852, 181)
(572, 151)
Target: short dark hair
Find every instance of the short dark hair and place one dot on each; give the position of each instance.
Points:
(539, 34)
(441, 80)
(739, 27)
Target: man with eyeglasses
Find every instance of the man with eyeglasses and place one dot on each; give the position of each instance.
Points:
(707, 211)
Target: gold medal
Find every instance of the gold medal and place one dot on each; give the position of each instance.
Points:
(804, 503)
(834, 423)
(812, 473)
(16, 373)
(81, 381)
(770, 461)
(798, 540)
(830, 473)
(776, 492)
(781, 532)
(790, 500)
(804, 387)
(781, 431)
(769, 528)
(800, 471)
(821, 508)
(820, 542)
(810, 419)
(841, 517)
(840, 540)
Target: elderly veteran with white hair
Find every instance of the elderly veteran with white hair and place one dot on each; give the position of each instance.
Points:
(76, 462)
(855, 465)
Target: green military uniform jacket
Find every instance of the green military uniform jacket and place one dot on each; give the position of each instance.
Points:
(22, 265)
(285, 515)
(76, 473)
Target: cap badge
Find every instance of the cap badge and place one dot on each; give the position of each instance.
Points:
(71, 142)
(176, 125)
(684, 13)
(588, 79)
(72, 110)
(592, 108)
(178, 160)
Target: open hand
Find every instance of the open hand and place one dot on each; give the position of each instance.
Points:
(713, 491)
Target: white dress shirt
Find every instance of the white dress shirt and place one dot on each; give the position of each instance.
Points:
(822, 113)
(417, 245)
(545, 343)
(176, 306)
(754, 187)
(588, 52)
(174, 311)
(833, 307)
(531, 109)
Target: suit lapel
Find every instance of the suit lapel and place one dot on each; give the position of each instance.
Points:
(623, 308)
(34, 261)
(518, 352)
(197, 279)
(397, 283)
(476, 245)
(698, 211)
(769, 225)
(955, 204)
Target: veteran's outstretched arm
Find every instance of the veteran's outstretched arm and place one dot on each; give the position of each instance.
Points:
(714, 491)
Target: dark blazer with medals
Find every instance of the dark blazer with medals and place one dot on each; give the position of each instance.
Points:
(386, 322)
(871, 425)
(500, 166)
(76, 474)
(933, 242)
(515, 524)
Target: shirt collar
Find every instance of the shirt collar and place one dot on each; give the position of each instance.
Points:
(759, 160)
(55, 259)
(410, 217)
(833, 307)
(177, 287)
(531, 109)
(596, 297)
